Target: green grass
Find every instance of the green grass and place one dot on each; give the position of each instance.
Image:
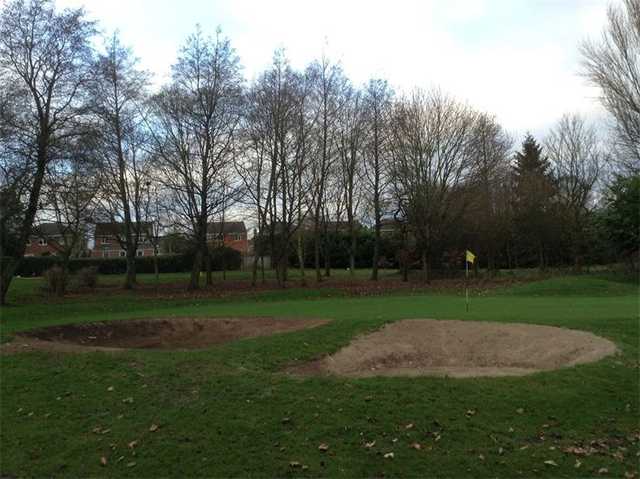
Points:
(228, 411)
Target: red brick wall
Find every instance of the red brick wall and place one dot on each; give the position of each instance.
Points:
(241, 245)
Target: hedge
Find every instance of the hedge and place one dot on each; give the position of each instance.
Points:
(179, 263)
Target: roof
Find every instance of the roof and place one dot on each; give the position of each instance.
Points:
(117, 229)
(47, 229)
(229, 227)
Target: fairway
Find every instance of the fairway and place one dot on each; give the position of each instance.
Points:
(230, 411)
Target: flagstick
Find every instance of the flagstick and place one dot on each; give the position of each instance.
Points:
(466, 282)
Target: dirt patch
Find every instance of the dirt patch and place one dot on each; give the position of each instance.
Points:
(174, 333)
(427, 347)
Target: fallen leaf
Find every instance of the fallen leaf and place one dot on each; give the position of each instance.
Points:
(416, 445)
(153, 428)
(131, 464)
(481, 457)
(603, 470)
(103, 461)
(551, 463)
(520, 410)
(577, 464)
(470, 412)
(409, 426)
(369, 445)
(110, 388)
(128, 400)
(294, 464)
(500, 451)
(323, 447)
(132, 444)
(389, 455)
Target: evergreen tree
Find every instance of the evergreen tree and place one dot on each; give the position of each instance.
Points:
(622, 217)
(533, 207)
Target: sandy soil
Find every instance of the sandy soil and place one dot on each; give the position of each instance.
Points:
(174, 333)
(427, 347)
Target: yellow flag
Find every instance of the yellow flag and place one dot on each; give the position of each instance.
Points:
(470, 257)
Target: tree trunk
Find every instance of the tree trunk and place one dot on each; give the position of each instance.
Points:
(425, 266)
(6, 275)
(303, 280)
(327, 256)
(156, 269)
(316, 252)
(8, 267)
(376, 252)
(254, 269)
(209, 278)
(194, 282)
(352, 253)
(130, 276)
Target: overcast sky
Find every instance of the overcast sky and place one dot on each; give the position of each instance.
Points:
(517, 59)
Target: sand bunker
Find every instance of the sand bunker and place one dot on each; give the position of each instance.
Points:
(426, 347)
(174, 333)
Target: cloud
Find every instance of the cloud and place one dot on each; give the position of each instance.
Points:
(515, 58)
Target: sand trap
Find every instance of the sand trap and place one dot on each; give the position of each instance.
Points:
(427, 347)
(174, 333)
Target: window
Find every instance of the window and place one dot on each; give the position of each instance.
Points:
(29, 242)
(140, 252)
(236, 236)
(42, 242)
(123, 253)
(105, 240)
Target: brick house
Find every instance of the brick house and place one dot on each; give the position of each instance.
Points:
(233, 234)
(107, 243)
(47, 239)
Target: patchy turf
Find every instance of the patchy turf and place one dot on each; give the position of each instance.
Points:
(170, 333)
(228, 411)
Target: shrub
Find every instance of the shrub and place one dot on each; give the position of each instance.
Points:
(225, 258)
(177, 263)
(86, 277)
(56, 280)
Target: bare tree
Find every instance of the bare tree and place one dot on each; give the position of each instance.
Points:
(351, 142)
(491, 147)
(69, 197)
(195, 120)
(576, 158)
(377, 106)
(119, 90)
(432, 136)
(44, 55)
(613, 64)
(327, 99)
(273, 166)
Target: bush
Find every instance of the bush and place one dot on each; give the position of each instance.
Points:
(86, 277)
(56, 280)
(225, 258)
(177, 263)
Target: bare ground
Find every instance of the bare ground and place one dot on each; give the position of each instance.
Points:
(427, 347)
(173, 333)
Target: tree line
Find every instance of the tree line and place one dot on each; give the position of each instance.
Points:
(85, 137)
